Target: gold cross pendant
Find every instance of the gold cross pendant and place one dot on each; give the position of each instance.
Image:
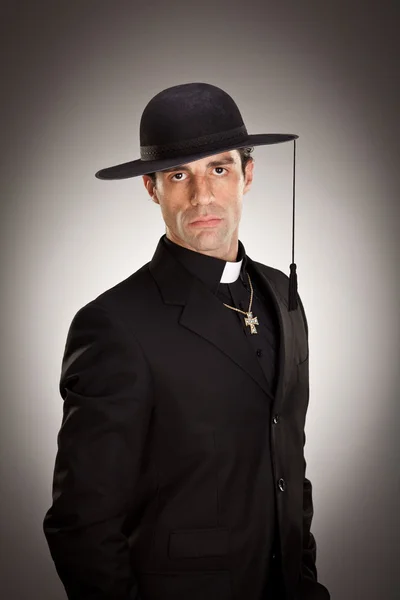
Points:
(252, 321)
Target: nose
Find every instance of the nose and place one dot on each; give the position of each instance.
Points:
(201, 191)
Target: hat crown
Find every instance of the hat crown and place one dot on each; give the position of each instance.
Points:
(188, 111)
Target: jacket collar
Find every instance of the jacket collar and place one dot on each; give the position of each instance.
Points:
(205, 315)
(212, 271)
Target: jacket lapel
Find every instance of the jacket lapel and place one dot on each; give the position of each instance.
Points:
(205, 315)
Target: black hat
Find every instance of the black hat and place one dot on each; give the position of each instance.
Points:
(190, 121)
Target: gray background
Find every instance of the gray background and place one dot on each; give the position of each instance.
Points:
(75, 79)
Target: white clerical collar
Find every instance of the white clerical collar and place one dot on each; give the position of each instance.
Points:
(231, 271)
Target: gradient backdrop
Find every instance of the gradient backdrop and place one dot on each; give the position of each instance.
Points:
(76, 77)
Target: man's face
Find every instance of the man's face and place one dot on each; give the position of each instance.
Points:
(213, 186)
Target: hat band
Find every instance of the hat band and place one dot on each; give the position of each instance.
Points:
(204, 142)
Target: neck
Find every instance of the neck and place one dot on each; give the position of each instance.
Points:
(227, 252)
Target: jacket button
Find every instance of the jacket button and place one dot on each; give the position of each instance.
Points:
(259, 352)
(282, 484)
(275, 419)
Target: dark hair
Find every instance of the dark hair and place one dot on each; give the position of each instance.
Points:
(245, 156)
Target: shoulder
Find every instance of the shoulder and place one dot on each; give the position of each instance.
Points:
(126, 298)
(281, 283)
(130, 289)
(277, 277)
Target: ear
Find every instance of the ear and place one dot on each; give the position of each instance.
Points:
(248, 175)
(150, 187)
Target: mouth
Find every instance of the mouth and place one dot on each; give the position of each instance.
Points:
(209, 221)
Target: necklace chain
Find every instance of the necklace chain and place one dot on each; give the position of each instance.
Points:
(251, 300)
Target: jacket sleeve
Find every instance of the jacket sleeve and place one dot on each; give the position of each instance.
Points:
(310, 587)
(107, 391)
(309, 556)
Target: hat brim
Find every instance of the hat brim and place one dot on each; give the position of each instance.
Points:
(143, 167)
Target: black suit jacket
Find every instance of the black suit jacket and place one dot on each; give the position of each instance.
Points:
(158, 489)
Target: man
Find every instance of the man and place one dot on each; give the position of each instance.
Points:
(180, 471)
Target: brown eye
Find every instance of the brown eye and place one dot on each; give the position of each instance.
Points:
(176, 174)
